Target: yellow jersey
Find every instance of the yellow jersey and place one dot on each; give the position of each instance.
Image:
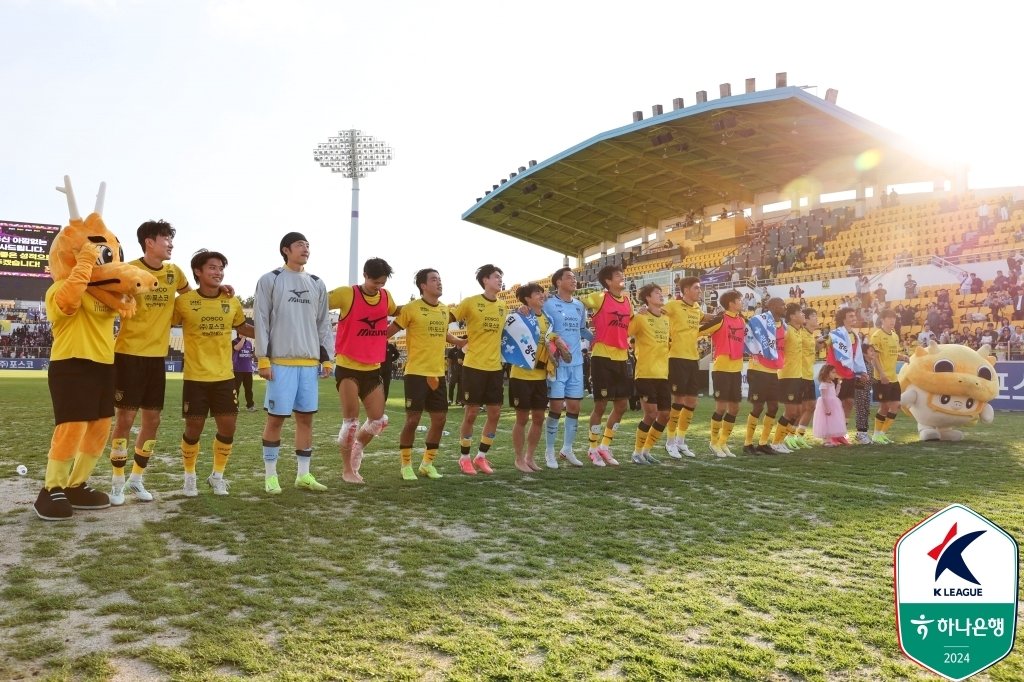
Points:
(887, 348)
(684, 322)
(341, 299)
(485, 320)
(809, 353)
(88, 333)
(206, 324)
(426, 327)
(148, 332)
(793, 360)
(652, 334)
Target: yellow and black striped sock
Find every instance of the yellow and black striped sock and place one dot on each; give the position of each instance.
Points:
(406, 454)
(641, 436)
(653, 435)
(595, 436)
(716, 426)
(142, 456)
(485, 443)
(748, 437)
(728, 421)
(221, 452)
(189, 454)
(685, 419)
(889, 419)
(781, 431)
(118, 456)
(673, 420)
(606, 439)
(429, 454)
(766, 430)
(465, 443)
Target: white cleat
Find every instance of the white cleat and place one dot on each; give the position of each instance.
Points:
(595, 458)
(219, 485)
(781, 449)
(606, 455)
(116, 491)
(726, 451)
(569, 457)
(637, 458)
(550, 461)
(189, 487)
(717, 450)
(672, 449)
(684, 449)
(136, 487)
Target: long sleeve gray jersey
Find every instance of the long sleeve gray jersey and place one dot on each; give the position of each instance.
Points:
(291, 318)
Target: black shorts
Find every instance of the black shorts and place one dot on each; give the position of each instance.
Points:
(419, 396)
(683, 376)
(203, 398)
(367, 380)
(609, 379)
(847, 389)
(728, 386)
(886, 393)
(792, 391)
(482, 387)
(762, 387)
(655, 391)
(81, 390)
(809, 392)
(528, 394)
(139, 382)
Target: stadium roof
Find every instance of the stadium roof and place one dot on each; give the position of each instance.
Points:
(713, 153)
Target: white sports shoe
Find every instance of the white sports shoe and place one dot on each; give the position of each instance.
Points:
(116, 491)
(189, 487)
(136, 487)
(863, 438)
(219, 485)
(727, 452)
(637, 458)
(717, 450)
(606, 455)
(569, 457)
(672, 449)
(781, 449)
(595, 458)
(684, 448)
(550, 461)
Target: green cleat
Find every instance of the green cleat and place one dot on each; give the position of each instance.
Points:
(309, 483)
(272, 486)
(408, 474)
(430, 471)
(881, 439)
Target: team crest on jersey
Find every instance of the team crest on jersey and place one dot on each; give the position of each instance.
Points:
(170, 277)
(225, 307)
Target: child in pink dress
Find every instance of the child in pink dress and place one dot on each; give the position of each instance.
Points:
(829, 418)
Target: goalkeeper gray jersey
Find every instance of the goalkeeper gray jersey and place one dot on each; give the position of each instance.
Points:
(291, 318)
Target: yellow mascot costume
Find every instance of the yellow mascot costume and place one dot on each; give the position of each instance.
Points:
(948, 385)
(91, 285)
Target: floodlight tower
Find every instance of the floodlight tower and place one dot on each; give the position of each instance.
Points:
(353, 153)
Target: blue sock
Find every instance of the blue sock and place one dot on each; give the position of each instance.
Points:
(551, 431)
(571, 422)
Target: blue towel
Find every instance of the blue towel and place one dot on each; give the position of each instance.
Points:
(760, 336)
(520, 340)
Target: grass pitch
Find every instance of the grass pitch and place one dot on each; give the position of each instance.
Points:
(768, 568)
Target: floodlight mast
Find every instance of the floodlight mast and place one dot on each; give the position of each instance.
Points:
(353, 154)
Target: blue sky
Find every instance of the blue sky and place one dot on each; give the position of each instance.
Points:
(206, 113)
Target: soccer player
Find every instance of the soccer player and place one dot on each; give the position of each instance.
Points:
(359, 348)
(810, 345)
(763, 389)
(482, 375)
(727, 331)
(528, 388)
(849, 360)
(140, 375)
(568, 318)
(609, 374)
(651, 328)
(293, 333)
(685, 317)
(425, 322)
(207, 317)
(791, 386)
(886, 343)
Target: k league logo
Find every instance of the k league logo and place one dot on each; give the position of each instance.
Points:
(956, 592)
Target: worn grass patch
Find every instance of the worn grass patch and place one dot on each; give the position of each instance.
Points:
(751, 568)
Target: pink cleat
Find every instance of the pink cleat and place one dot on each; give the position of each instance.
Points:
(606, 455)
(467, 466)
(481, 462)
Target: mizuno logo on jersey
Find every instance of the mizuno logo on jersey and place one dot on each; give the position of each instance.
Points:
(298, 297)
(621, 320)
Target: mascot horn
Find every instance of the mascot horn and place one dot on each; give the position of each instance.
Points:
(948, 385)
(91, 286)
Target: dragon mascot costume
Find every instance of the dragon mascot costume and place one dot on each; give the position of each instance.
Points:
(91, 286)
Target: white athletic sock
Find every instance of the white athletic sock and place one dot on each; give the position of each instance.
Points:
(270, 468)
(303, 466)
